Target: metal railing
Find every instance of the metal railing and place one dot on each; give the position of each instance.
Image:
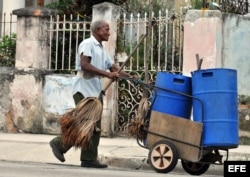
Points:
(166, 40)
(65, 34)
(7, 40)
(7, 25)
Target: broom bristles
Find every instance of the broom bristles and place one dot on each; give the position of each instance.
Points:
(142, 109)
(135, 128)
(77, 125)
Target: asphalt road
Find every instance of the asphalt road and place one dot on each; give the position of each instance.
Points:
(29, 169)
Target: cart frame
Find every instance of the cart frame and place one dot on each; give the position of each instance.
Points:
(190, 151)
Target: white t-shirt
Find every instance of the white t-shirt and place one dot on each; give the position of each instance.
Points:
(91, 85)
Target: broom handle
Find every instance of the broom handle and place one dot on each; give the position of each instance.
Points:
(125, 62)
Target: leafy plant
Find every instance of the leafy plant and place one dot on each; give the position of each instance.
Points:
(196, 4)
(244, 99)
(74, 7)
(8, 50)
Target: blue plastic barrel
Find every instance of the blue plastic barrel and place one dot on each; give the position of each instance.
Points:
(168, 101)
(217, 90)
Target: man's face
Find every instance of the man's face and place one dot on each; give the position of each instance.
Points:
(103, 32)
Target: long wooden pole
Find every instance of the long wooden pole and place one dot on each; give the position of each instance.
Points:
(125, 62)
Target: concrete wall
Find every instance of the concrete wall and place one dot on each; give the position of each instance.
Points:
(221, 40)
(26, 102)
(6, 78)
(203, 36)
(236, 47)
(57, 98)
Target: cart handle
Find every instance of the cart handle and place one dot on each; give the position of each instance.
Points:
(150, 86)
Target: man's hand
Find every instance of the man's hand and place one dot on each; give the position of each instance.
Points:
(113, 75)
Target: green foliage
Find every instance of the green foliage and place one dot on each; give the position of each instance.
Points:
(8, 50)
(82, 7)
(244, 99)
(142, 6)
(196, 4)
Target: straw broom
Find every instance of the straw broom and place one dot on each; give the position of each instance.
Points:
(78, 124)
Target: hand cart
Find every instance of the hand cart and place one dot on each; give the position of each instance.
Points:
(170, 138)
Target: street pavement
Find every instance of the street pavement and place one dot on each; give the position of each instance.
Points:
(118, 151)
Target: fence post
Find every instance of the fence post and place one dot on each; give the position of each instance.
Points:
(30, 69)
(110, 13)
(32, 37)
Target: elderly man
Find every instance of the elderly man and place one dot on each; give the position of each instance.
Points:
(93, 62)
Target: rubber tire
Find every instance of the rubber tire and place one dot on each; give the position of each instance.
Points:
(166, 163)
(194, 168)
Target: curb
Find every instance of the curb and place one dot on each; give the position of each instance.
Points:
(141, 164)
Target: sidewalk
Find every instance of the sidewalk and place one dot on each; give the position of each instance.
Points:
(118, 152)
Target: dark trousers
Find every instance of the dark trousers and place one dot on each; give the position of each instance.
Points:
(89, 153)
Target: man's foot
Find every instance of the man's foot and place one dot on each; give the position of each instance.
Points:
(93, 164)
(57, 153)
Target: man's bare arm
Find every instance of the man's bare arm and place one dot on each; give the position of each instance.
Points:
(88, 67)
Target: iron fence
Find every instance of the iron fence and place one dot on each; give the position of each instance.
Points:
(65, 34)
(7, 40)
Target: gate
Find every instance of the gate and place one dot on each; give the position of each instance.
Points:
(165, 55)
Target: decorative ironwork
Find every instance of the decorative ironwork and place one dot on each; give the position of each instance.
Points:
(129, 96)
(166, 40)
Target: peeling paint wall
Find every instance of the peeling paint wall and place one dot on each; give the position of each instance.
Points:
(221, 40)
(26, 93)
(6, 78)
(236, 47)
(57, 99)
(203, 36)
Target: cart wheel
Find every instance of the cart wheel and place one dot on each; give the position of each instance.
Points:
(194, 168)
(163, 156)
